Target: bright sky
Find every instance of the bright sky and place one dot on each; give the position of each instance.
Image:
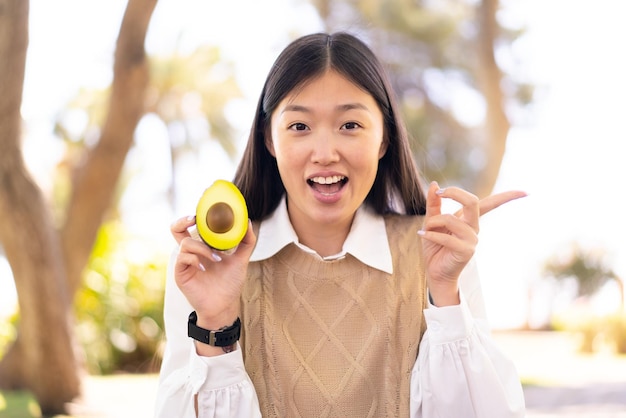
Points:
(569, 159)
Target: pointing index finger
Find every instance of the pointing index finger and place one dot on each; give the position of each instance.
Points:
(489, 203)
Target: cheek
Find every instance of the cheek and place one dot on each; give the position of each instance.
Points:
(284, 154)
(372, 167)
(367, 156)
(367, 164)
(278, 146)
(286, 151)
(288, 159)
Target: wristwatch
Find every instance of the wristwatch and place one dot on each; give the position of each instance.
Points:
(223, 337)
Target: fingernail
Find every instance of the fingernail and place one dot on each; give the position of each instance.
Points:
(440, 191)
(191, 218)
(216, 257)
(421, 232)
(201, 267)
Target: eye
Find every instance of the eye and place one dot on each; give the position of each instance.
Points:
(350, 126)
(298, 126)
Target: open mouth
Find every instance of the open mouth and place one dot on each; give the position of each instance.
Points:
(327, 185)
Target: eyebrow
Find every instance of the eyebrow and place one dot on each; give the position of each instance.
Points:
(343, 108)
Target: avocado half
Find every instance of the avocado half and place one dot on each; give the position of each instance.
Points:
(222, 216)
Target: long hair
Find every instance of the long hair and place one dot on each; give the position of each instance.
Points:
(396, 188)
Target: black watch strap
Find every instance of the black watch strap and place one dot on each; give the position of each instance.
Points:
(221, 338)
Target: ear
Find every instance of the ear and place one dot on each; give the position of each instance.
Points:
(383, 147)
(269, 144)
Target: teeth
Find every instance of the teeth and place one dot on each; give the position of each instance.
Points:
(327, 180)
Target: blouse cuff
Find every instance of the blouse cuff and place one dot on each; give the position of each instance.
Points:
(211, 373)
(449, 323)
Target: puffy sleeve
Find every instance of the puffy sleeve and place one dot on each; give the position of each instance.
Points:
(459, 371)
(214, 386)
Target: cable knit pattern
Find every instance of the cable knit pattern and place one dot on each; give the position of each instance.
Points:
(335, 338)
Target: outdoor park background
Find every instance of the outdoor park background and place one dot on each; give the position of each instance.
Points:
(568, 156)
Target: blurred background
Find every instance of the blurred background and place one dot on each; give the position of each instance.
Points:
(130, 109)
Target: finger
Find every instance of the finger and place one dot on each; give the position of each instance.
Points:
(433, 201)
(248, 242)
(452, 243)
(489, 203)
(470, 212)
(452, 226)
(179, 228)
(185, 261)
(199, 248)
(460, 249)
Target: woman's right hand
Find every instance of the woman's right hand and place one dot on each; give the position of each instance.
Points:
(211, 280)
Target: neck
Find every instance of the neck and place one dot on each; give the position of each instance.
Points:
(325, 239)
(324, 243)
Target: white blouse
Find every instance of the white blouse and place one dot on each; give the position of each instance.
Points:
(459, 372)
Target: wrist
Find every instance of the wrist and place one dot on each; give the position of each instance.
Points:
(206, 350)
(213, 341)
(217, 321)
(446, 296)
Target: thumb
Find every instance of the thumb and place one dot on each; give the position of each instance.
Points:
(247, 244)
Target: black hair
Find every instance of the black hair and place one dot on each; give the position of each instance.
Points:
(396, 188)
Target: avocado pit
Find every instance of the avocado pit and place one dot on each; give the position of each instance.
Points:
(220, 217)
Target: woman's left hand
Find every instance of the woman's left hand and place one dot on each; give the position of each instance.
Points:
(450, 239)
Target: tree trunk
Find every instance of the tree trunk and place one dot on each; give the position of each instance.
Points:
(42, 358)
(490, 82)
(47, 266)
(94, 183)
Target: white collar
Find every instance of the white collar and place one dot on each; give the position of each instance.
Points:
(366, 241)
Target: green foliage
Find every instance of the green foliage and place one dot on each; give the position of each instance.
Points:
(586, 326)
(590, 270)
(587, 267)
(8, 332)
(597, 332)
(18, 404)
(189, 93)
(119, 309)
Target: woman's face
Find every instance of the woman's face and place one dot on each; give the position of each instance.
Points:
(327, 137)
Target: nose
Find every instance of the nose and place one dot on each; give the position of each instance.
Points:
(325, 150)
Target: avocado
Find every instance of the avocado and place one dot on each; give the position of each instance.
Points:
(222, 216)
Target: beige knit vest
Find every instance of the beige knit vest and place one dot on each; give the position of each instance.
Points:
(335, 338)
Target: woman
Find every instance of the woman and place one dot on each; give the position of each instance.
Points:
(349, 298)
